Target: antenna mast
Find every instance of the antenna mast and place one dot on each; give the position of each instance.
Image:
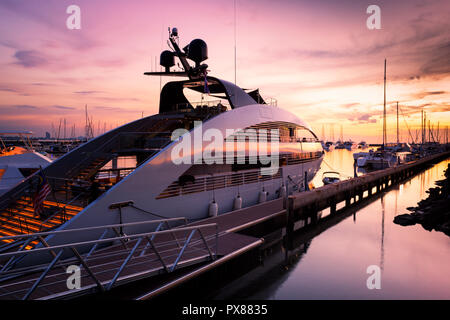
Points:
(384, 107)
(398, 141)
(235, 55)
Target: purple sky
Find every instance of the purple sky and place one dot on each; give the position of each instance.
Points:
(317, 58)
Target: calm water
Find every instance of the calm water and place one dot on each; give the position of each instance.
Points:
(415, 263)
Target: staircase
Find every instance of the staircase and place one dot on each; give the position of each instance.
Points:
(16, 208)
(20, 219)
(92, 168)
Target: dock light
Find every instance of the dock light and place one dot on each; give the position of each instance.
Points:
(174, 32)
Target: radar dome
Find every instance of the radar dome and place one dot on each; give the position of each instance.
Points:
(167, 59)
(197, 51)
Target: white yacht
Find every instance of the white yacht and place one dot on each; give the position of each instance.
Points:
(134, 164)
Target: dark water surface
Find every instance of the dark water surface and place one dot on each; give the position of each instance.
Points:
(414, 263)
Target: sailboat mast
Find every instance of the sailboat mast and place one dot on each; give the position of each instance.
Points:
(421, 126)
(398, 141)
(429, 130)
(425, 126)
(235, 50)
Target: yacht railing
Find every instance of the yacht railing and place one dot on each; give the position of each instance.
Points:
(216, 182)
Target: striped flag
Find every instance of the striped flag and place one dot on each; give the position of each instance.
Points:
(42, 192)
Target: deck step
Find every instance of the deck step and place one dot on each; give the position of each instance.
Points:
(27, 211)
(30, 224)
(86, 172)
(48, 204)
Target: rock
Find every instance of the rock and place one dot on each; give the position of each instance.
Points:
(405, 220)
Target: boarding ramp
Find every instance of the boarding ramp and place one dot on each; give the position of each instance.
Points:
(115, 258)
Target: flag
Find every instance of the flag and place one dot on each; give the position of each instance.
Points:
(42, 192)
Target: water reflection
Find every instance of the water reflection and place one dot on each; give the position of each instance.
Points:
(328, 257)
(382, 230)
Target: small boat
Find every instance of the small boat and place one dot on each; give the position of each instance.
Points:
(325, 146)
(330, 177)
(348, 145)
(381, 159)
(339, 145)
(361, 161)
(362, 145)
(361, 158)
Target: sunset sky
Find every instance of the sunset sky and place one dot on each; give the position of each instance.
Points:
(317, 58)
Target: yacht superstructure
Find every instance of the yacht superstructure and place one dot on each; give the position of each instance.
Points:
(141, 171)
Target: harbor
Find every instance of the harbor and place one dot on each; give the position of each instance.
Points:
(185, 256)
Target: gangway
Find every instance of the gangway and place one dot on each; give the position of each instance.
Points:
(113, 259)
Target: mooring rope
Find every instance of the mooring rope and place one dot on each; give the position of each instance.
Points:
(145, 211)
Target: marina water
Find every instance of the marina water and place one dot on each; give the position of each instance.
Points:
(414, 262)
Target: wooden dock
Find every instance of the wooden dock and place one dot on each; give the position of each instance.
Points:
(170, 257)
(353, 190)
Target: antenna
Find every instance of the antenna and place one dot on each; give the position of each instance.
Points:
(383, 209)
(235, 49)
(421, 126)
(384, 107)
(397, 126)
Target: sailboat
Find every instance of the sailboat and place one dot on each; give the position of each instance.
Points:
(383, 157)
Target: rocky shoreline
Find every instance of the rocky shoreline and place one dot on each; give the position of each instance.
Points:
(433, 213)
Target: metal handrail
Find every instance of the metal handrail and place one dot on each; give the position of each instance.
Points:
(58, 250)
(89, 158)
(61, 209)
(18, 190)
(114, 139)
(128, 224)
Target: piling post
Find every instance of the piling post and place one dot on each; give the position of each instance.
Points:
(347, 200)
(333, 205)
(313, 212)
(290, 216)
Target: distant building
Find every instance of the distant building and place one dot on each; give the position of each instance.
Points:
(47, 135)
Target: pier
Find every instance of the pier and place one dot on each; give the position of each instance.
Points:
(176, 253)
